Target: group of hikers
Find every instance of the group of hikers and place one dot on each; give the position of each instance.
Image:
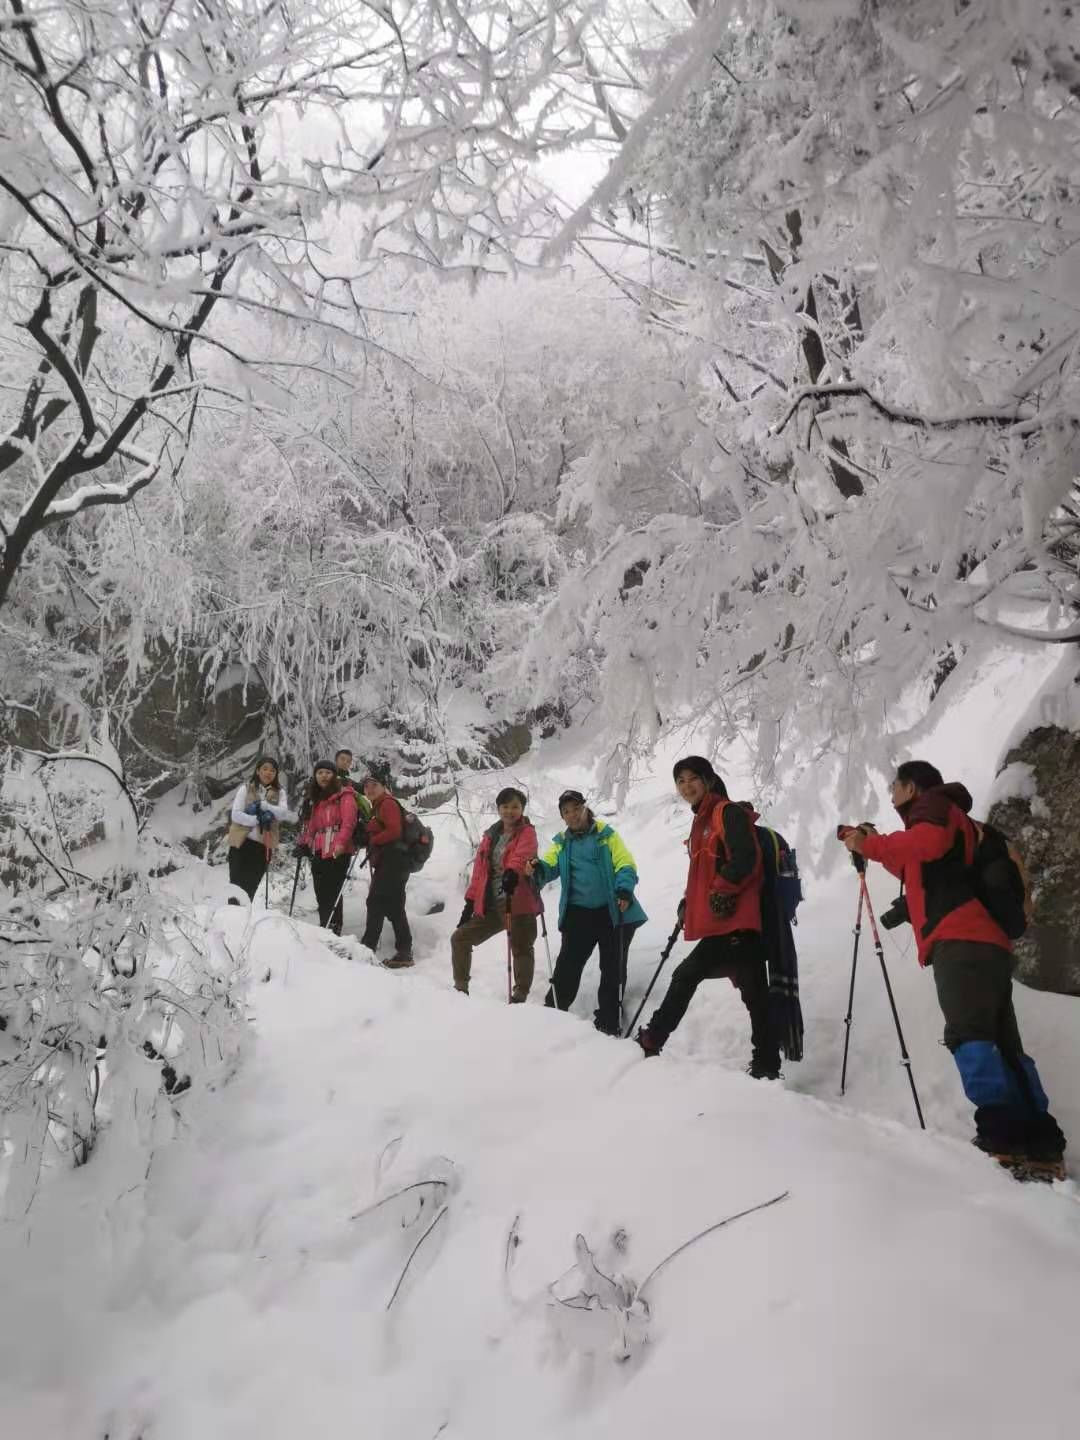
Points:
(337, 818)
(738, 906)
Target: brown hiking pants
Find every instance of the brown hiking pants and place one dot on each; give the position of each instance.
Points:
(483, 927)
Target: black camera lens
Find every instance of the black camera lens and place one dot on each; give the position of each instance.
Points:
(896, 914)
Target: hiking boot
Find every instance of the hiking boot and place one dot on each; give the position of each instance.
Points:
(518, 999)
(398, 962)
(764, 1068)
(1046, 1170)
(1014, 1160)
(648, 1042)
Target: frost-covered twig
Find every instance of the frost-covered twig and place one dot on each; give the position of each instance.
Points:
(728, 1220)
(405, 1190)
(412, 1254)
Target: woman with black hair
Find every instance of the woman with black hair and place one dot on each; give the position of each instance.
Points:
(721, 910)
(258, 809)
(327, 838)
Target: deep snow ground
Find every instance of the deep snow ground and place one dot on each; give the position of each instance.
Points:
(903, 1287)
(223, 1291)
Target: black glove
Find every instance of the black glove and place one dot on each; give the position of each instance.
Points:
(722, 905)
(301, 851)
(510, 879)
(682, 911)
(265, 819)
(466, 914)
(360, 835)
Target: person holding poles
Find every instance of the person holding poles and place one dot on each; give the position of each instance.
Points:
(327, 839)
(258, 809)
(497, 902)
(597, 907)
(721, 910)
(971, 955)
(389, 861)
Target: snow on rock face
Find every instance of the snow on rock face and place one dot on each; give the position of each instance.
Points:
(253, 1285)
(1042, 816)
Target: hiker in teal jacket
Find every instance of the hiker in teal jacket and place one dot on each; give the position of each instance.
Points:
(596, 907)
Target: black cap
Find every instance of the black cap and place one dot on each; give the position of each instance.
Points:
(324, 765)
(570, 795)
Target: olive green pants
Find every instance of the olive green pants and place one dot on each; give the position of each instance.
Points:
(483, 927)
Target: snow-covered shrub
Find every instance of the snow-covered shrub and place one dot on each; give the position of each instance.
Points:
(113, 1002)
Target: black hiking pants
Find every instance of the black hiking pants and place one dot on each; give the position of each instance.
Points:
(328, 878)
(738, 957)
(386, 900)
(247, 866)
(974, 986)
(584, 930)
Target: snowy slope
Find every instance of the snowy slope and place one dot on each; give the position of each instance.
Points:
(226, 1290)
(229, 1293)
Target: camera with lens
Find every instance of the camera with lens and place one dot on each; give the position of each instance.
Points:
(896, 915)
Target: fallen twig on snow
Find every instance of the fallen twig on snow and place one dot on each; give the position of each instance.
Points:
(764, 1205)
(416, 1185)
(412, 1253)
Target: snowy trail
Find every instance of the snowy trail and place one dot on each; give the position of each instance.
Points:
(229, 1294)
(223, 1292)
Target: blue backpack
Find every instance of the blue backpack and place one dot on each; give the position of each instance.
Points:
(781, 872)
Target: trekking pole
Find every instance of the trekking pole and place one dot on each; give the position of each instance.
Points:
(547, 947)
(851, 987)
(622, 969)
(905, 1058)
(348, 877)
(672, 938)
(295, 883)
(509, 958)
(269, 857)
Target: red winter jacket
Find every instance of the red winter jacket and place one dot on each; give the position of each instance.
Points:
(522, 847)
(933, 856)
(386, 827)
(725, 859)
(328, 830)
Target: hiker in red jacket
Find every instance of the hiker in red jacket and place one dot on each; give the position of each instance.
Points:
(498, 886)
(389, 874)
(327, 838)
(722, 911)
(971, 956)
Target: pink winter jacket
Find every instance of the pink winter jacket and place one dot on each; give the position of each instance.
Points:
(328, 831)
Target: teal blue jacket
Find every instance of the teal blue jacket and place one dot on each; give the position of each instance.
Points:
(619, 873)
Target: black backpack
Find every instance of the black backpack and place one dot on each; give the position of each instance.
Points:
(998, 882)
(417, 838)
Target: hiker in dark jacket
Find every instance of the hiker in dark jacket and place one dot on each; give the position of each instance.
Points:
(722, 912)
(497, 885)
(597, 908)
(389, 862)
(971, 957)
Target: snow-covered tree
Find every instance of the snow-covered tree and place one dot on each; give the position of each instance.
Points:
(858, 226)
